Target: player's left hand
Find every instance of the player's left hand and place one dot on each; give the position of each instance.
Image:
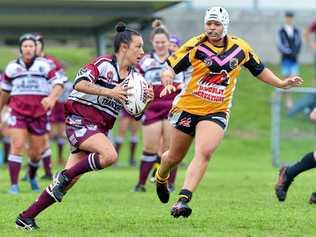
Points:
(292, 81)
(48, 103)
(149, 94)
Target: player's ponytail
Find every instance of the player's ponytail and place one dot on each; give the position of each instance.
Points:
(158, 28)
(123, 35)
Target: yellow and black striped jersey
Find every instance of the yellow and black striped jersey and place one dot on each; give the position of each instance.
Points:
(214, 73)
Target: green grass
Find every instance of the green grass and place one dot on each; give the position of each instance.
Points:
(235, 198)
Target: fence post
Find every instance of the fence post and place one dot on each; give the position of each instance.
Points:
(275, 127)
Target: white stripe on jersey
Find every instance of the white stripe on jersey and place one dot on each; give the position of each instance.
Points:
(30, 81)
(103, 103)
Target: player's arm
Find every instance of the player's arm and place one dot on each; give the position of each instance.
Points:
(4, 98)
(178, 62)
(85, 82)
(257, 69)
(270, 78)
(58, 87)
(56, 91)
(6, 87)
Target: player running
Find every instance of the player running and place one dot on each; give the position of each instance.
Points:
(202, 108)
(156, 127)
(91, 110)
(27, 83)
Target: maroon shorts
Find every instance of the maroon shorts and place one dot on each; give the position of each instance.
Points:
(157, 110)
(78, 130)
(35, 126)
(58, 113)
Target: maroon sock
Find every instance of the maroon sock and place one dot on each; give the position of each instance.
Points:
(6, 148)
(14, 165)
(60, 147)
(172, 177)
(118, 144)
(42, 202)
(33, 166)
(89, 163)
(47, 161)
(146, 164)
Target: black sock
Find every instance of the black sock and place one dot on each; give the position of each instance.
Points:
(306, 163)
(185, 195)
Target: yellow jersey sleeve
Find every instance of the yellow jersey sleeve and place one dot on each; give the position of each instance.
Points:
(180, 60)
(252, 62)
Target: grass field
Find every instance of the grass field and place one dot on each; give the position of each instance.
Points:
(235, 198)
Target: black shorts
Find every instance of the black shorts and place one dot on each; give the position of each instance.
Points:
(187, 122)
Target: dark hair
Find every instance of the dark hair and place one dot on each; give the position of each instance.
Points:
(123, 35)
(39, 37)
(158, 28)
(289, 14)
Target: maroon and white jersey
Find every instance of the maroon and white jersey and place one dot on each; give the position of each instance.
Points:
(68, 87)
(29, 84)
(60, 72)
(151, 67)
(56, 65)
(103, 110)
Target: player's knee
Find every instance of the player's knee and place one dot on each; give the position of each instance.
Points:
(34, 155)
(108, 159)
(17, 147)
(206, 152)
(171, 158)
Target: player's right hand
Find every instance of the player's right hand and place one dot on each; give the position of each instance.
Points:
(168, 90)
(119, 92)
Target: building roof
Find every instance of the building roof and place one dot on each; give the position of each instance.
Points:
(75, 17)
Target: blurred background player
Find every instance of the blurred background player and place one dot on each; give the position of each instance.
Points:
(288, 173)
(156, 128)
(202, 108)
(308, 34)
(126, 121)
(4, 129)
(88, 118)
(174, 44)
(289, 44)
(56, 116)
(27, 83)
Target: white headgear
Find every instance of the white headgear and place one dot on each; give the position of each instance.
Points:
(219, 14)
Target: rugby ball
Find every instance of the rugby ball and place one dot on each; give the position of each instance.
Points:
(136, 100)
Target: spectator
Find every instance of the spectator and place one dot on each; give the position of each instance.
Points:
(289, 44)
